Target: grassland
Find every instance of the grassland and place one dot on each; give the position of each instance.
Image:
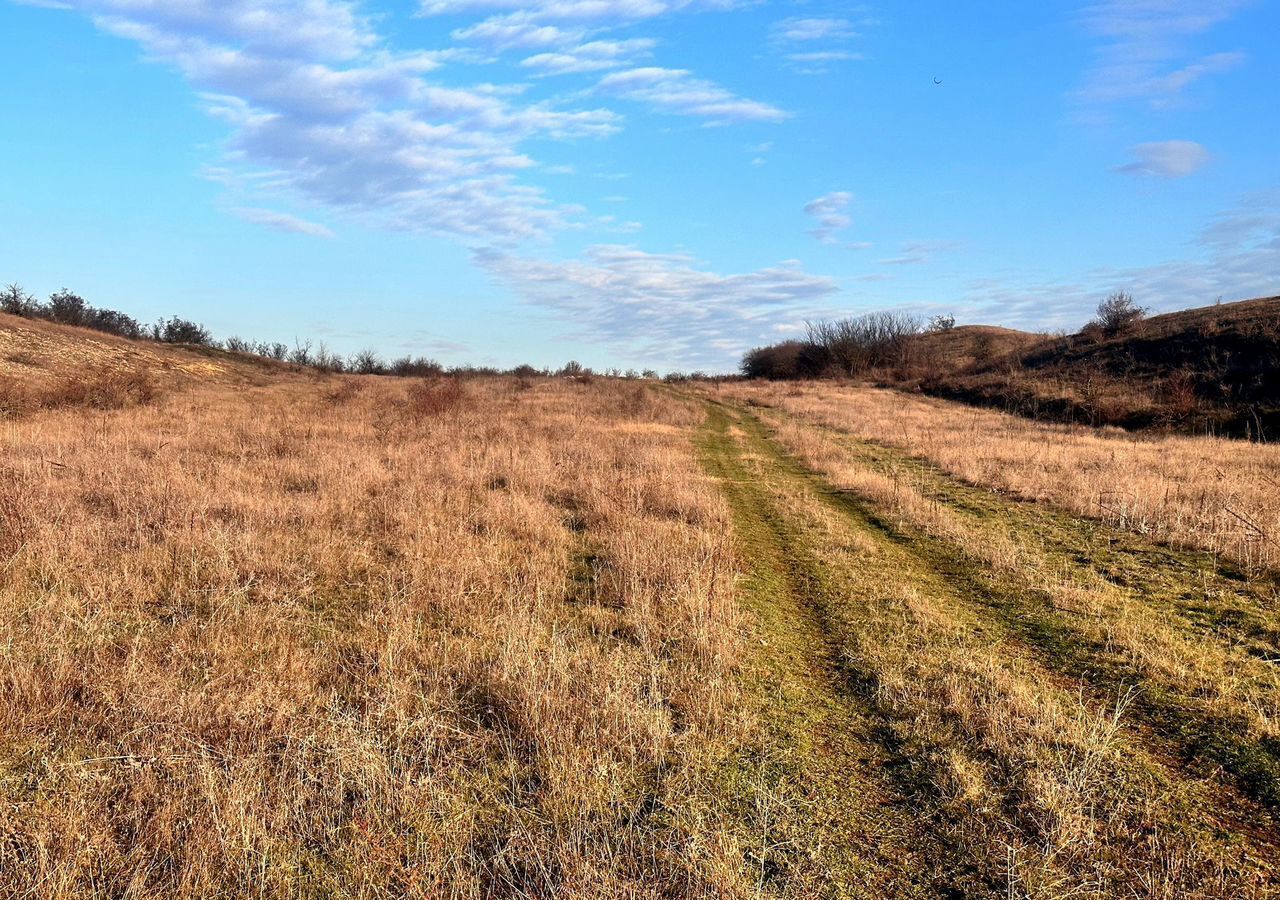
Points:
(271, 634)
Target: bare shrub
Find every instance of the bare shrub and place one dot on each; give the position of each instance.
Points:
(1179, 397)
(858, 345)
(344, 391)
(1118, 313)
(113, 390)
(431, 398)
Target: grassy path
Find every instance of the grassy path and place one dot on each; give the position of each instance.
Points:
(833, 825)
(989, 745)
(1100, 606)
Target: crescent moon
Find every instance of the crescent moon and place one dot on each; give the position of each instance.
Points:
(937, 81)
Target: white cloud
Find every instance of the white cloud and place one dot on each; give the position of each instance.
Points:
(810, 43)
(608, 11)
(1145, 53)
(797, 30)
(1166, 159)
(593, 56)
(513, 32)
(828, 212)
(677, 91)
(916, 253)
(282, 222)
(663, 307)
(320, 111)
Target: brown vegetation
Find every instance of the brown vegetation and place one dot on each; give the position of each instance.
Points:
(1210, 493)
(279, 635)
(289, 640)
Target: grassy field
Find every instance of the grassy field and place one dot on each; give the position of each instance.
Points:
(271, 634)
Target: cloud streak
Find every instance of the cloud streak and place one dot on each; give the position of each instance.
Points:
(662, 307)
(1166, 159)
(809, 43)
(829, 213)
(1146, 54)
(678, 92)
(282, 222)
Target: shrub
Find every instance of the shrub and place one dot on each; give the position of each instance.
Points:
(366, 362)
(114, 322)
(422, 367)
(67, 308)
(17, 302)
(944, 322)
(111, 390)
(177, 330)
(428, 399)
(1118, 314)
(774, 362)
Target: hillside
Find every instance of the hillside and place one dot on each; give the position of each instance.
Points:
(1215, 368)
(45, 365)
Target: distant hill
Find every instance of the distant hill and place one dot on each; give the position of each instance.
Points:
(1215, 368)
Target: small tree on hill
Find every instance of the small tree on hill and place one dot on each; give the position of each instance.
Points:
(1118, 313)
(943, 322)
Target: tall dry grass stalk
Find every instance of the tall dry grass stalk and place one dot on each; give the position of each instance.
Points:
(358, 638)
(1209, 493)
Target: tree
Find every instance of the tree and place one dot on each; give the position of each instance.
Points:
(944, 322)
(1118, 313)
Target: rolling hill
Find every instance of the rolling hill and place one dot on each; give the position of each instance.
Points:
(1211, 369)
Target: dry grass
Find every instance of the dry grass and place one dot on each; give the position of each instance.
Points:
(1208, 493)
(1227, 679)
(300, 640)
(1038, 777)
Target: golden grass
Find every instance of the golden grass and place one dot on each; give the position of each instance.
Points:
(1209, 493)
(1227, 679)
(1038, 777)
(317, 639)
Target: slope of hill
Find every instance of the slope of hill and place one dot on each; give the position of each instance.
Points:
(43, 364)
(1215, 368)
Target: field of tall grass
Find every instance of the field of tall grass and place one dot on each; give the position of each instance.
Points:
(362, 638)
(270, 633)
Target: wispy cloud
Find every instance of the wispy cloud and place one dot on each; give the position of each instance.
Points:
(282, 222)
(810, 43)
(1166, 159)
(569, 10)
(796, 30)
(829, 213)
(1147, 51)
(915, 253)
(663, 307)
(593, 56)
(679, 92)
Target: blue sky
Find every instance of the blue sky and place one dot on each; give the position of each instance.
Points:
(638, 183)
